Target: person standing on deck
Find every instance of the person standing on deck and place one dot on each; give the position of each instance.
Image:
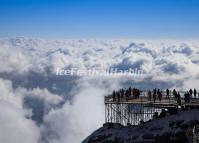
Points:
(129, 91)
(149, 95)
(134, 94)
(114, 95)
(167, 93)
(188, 96)
(195, 93)
(191, 92)
(154, 95)
(127, 94)
(122, 92)
(122, 96)
(175, 94)
(185, 97)
(159, 95)
(118, 96)
(178, 98)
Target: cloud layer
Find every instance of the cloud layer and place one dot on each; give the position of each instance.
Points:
(47, 108)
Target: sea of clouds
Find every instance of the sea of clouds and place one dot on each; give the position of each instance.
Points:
(38, 106)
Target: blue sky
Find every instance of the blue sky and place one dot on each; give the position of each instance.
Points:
(57, 19)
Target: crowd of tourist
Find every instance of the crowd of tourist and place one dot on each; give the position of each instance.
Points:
(154, 95)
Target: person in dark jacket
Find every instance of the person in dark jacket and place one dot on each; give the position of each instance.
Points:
(159, 95)
(191, 92)
(154, 95)
(114, 95)
(178, 98)
(195, 93)
(149, 95)
(118, 96)
(167, 93)
(175, 93)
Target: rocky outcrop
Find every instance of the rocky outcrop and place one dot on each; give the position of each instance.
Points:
(176, 128)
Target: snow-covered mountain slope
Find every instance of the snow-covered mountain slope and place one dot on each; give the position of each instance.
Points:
(172, 128)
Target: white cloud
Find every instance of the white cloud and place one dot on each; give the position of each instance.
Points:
(80, 116)
(168, 63)
(15, 118)
(22, 54)
(7, 94)
(15, 126)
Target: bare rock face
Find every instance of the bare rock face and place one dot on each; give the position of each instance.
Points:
(176, 128)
